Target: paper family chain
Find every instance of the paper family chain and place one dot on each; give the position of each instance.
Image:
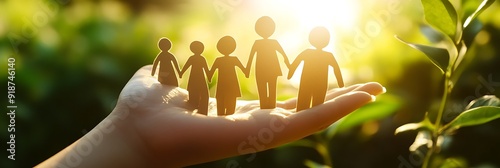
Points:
(313, 82)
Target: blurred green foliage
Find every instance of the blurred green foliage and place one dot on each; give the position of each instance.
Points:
(71, 67)
(450, 43)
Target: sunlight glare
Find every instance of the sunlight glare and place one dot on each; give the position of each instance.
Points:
(312, 13)
(299, 17)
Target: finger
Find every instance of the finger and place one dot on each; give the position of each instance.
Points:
(372, 88)
(307, 122)
(292, 103)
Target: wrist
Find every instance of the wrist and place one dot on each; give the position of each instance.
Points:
(106, 145)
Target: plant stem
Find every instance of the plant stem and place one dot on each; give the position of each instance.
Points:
(437, 124)
(427, 157)
(443, 102)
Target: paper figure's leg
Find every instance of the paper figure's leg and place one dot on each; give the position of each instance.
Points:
(172, 81)
(194, 98)
(163, 80)
(221, 107)
(318, 97)
(230, 105)
(303, 99)
(203, 103)
(262, 89)
(272, 93)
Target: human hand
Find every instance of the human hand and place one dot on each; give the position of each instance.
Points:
(156, 127)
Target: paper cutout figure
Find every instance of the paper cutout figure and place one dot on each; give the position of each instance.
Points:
(228, 87)
(314, 78)
(166, 73)
(267, 66)
(197, 83)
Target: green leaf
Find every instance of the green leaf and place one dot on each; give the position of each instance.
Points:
(424, 124)
(484, 5)
(442, 15)
(471, 31)
(313, 164)
(462, 50)
(439, 56)
(475, 116)
(432, 34)
(487, 100)
(384, 106)
(454, 163)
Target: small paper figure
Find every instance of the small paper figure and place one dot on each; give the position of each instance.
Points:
(228, 87)
(166, 73)
(314, 78)
(267, 66)
(197, 83)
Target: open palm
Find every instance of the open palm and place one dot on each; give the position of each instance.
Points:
(152, 125)
(177, 136)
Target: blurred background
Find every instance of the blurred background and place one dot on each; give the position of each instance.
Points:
(73, 57)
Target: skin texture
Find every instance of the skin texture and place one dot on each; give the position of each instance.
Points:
(153, 125)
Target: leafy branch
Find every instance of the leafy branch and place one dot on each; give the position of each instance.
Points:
(457, 38)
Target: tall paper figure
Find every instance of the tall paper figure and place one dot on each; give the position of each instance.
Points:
(197, 83)
(228, 87)
(314, 78)
(167, 61)
(267, 66)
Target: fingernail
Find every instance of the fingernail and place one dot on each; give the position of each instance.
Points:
(384, 89)
(373, 98)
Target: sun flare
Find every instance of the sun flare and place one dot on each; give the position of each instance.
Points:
(305, 15)
(328, 13)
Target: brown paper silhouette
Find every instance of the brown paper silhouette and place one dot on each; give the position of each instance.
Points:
(197, 83)
(267, 66)
(166, 73)
(314, 78)
(228, 87)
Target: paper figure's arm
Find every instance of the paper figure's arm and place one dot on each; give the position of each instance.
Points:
(205, 66)
(240, 65)
(250, 60)
(186, 66)
(210, 73)
(155, 64)
(336, 70)
(293, 66)
(176, 65)
(280, 50)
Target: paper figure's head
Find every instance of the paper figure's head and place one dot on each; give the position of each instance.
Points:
(197, 47)
(265, 27)
(226, 45)
(164, 44)
(319, 37)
